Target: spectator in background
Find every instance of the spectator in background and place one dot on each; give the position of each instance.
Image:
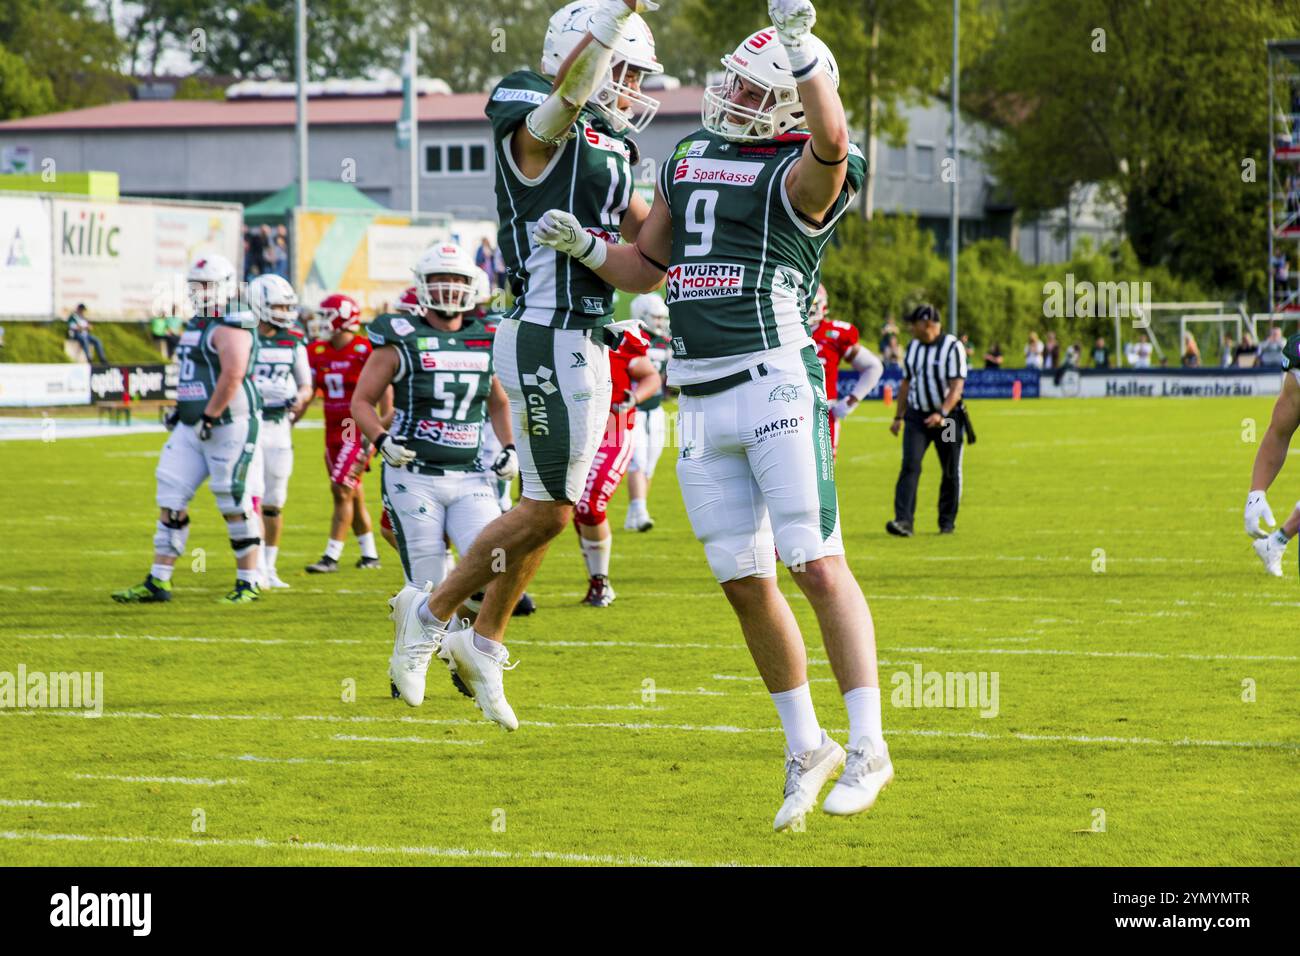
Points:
(970, 349)
(893, 353)
(1034, 352)
(1073, 356)
(486, 258)
(79, 329)
(158, 332)
(1225, 351)
(255, 254)
(889, 328)
(1281, 274)
(1246, 354)
(282, 247)
(1051, 352)
(1100, 354)
(993, 357)
(1191, 351)
(1138, 354)
(1270, 350)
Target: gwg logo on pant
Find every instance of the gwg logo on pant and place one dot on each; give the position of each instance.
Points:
(537, 418)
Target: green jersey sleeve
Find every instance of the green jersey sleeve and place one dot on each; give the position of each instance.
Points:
(513, 99)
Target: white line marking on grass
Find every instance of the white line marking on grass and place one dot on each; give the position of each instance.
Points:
(684, 728)
(432, 851)
(639, 707)
(660, 646)
(187, 781)
(1050, 652)
(43, 803)
(181, 639)
(408, 740)
(254, 758)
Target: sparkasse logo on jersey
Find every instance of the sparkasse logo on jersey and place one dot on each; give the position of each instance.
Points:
(704, 280)
(601, 141)
(723, 172)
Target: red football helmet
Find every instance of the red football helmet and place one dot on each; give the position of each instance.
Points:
(409, 302)
(341, 312)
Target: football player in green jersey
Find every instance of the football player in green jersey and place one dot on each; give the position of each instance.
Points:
(559, 137)
(741, 215)
(440, 369)
(213, 435)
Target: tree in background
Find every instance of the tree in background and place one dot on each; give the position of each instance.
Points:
(66, 47)
(22, 93)
(1163, 102)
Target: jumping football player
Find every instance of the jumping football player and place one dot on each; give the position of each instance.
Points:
(1273, 448)
(284, 380)
(651, 430)
(445, 389)
(559, 137)
(837, 342)
(742, 213)
(213, 435)
(635, 380)
(336, 365)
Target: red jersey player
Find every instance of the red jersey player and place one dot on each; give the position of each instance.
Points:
(336, 365)
(837, 342)
(634, 379)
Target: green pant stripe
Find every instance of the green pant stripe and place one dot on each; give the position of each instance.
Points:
(546, 416)
(397, 528)
(239, 476)
(825, 458)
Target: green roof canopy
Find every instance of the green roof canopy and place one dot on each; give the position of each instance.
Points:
(321, 194)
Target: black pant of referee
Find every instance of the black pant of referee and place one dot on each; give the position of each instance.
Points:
(930, 412)
(948, 441)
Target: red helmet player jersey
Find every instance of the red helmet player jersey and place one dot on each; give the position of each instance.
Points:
(634, 345)
(833, 339)
(334, 375)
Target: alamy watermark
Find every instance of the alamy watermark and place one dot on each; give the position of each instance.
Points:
(70, 690)
(948, 689)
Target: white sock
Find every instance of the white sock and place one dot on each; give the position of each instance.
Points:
(798, 719)
(1281, 537)
(270, 553)
(334, 549)
(249, 577)
(597, 555)
(636, 508)
(489, 646)
(367, 543)
(427, 618)
(163, 572)
(863, 704)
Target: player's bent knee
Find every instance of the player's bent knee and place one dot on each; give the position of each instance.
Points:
(245, 535)
(171, 534)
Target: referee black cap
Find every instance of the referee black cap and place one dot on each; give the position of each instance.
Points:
(923, 313)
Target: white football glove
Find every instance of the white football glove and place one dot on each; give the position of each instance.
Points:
(394, 452)
(1257, 508)
(506, 465)
(562, 232)
(841, 408)
(793, 19)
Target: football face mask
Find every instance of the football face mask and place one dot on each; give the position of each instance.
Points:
(449, 292)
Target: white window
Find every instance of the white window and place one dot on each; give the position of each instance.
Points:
(455, 158)
(924, 161)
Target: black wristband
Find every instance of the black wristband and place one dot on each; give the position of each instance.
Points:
(379, 442)
(825, 162)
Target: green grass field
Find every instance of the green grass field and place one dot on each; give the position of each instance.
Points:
(226, 738)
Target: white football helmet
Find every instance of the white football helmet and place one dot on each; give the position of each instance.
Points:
(652, 312)
(761, 62)
(456, 295)
(211, 281)
(635, 50)
(271, 299)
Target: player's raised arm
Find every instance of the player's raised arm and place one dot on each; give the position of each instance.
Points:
(583, 70)
(816, 180)
(631, 267)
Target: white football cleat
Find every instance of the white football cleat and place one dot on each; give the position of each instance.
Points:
(1270, 552)
(805, 775)
(479, 675)
(414, 644)
(865, 774)
(272, 580)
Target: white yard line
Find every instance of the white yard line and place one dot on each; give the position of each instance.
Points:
(180, 639)
(1049, 652)
(682, 728)
(549, 856)
(187, 781)
(255, 758)
(409, 740)
(44, 804)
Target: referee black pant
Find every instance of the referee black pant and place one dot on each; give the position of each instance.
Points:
(947, 440)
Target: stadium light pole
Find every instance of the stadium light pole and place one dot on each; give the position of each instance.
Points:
(954, 216)
(412, 104)
(301, 134)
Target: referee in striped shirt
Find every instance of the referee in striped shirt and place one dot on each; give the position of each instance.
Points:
(930, 411)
